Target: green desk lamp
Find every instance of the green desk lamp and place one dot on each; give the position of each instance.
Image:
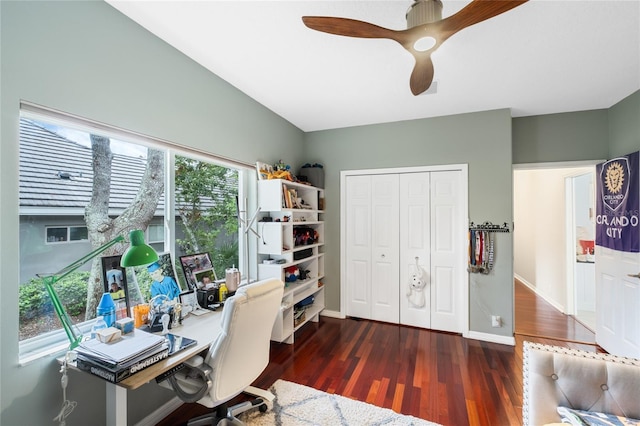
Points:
(137, 254)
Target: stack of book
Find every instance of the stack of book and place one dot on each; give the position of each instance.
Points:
(289, 197)
(116, 361)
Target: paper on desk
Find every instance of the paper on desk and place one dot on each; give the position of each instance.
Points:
(123, 350)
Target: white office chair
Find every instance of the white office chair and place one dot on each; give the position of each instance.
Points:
(236, 358)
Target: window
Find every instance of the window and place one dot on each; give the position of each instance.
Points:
(53, 206)
(155, 233)
(205, 200)
(57, 235)
(67, 233)
(78, 233)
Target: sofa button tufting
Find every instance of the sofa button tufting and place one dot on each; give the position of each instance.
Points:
(554, 376)
(604, 387)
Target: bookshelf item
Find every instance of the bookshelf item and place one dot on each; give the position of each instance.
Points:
(291, 247)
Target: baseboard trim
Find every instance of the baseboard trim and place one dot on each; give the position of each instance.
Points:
(155, 417)
(525, 282)
(494, 338)
(332, 314)
(533, 288)
(487, 337)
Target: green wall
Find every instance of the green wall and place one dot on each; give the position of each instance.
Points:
(624, 129)
(572, 136)
(86, 58)
(482, 140)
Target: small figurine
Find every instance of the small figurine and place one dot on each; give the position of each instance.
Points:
(415, 292)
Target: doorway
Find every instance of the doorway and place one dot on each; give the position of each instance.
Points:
(546, 237)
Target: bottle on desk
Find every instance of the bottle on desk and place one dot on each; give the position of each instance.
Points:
(222, 292)
(98, 325)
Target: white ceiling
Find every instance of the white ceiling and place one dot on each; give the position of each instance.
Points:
(545, 56)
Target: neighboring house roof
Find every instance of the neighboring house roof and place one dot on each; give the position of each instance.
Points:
(56, 175)
(56, 172)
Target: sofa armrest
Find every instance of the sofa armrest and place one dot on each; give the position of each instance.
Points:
(555, 376)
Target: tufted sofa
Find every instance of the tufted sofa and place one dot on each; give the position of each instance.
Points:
(560, 377)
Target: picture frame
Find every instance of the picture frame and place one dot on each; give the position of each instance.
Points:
(189, 298)
(263, 170)
(114, 280)
(146, 285)
(195, 268)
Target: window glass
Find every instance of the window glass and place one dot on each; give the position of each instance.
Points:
(56, 235)
(206, 195)
(60, 169)
(57, 178)
(155, 233)
(78, 233)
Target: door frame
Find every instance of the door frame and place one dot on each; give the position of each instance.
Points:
(464, 224)
(570, 231)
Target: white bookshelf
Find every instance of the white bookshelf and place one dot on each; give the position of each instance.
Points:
(296, 212)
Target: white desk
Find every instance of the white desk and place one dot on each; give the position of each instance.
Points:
(204, 329)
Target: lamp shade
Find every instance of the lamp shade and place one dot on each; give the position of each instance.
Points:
(138, 252)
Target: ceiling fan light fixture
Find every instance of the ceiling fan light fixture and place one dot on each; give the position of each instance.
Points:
(424, 43)
(423, 12)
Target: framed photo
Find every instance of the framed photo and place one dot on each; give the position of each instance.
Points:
(198, 270)
(154, 279)
(188, 298)
(114, 280)
(263, 170)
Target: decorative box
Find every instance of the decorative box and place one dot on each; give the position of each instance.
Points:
(125, 325)
(108, 335)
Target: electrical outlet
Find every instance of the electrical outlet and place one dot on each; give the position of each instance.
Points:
(496, 321)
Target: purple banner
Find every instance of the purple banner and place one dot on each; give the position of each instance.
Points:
(618, 203)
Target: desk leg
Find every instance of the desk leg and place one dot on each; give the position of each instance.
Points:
(116, 405)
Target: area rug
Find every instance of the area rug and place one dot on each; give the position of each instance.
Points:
(298, 405)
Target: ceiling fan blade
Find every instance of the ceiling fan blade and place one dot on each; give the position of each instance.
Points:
(347, 27)
(422, 74)
(478, 11)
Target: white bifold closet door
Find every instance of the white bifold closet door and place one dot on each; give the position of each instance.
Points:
(398, 227)
(415, 249)
(372, 246)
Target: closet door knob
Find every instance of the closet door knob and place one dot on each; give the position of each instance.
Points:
(634, 275)
(382, 256)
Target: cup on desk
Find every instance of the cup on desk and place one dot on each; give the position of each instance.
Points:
(140, 315)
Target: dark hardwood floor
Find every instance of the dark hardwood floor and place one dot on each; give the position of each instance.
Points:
(537, 318)
(436, 376)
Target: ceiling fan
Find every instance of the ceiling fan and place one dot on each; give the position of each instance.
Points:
(426, 30)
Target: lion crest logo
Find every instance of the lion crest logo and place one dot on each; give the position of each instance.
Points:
(615, 182)
(614, 179)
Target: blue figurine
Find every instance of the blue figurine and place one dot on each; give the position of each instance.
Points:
(162, 284)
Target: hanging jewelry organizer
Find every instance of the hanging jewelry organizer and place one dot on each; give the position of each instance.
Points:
(482, 246)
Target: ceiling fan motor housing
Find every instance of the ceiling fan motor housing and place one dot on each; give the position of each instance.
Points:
(423, 11)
